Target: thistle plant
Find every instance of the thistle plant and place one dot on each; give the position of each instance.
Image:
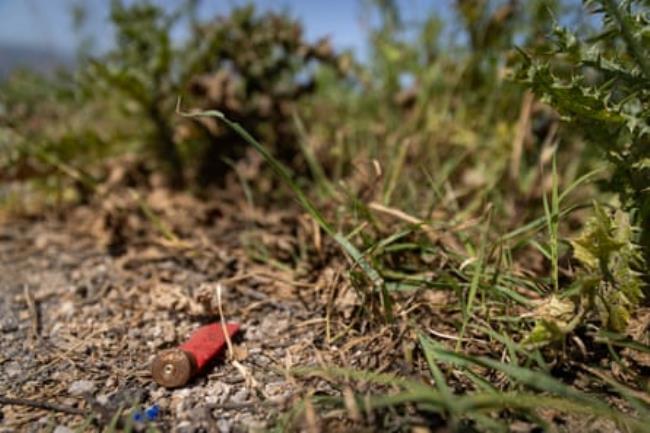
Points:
(601, 86)
(607, 286)
(609, 257)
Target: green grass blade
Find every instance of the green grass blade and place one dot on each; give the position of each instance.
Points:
(582, 179)
(285, 174)
(476, 280)
(530, 378)
(540, 222)
(427, 347)
(314, 165)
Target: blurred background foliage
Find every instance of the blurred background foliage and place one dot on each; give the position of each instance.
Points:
(433, 105)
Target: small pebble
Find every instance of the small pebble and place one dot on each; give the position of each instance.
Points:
(67, 309)
(81, 387)
(240, 396)
(13, 370)
(8, 323)
(184, 427)
(224, 425)
(111, 382)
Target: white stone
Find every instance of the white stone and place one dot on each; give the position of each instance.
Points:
(81, 387)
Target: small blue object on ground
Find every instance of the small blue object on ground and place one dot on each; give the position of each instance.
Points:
(152, 412)
(138, 416)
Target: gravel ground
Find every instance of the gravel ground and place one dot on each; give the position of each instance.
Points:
(89, 297)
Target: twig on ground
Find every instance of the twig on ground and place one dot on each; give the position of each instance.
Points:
(33, 312)
(401, 215)
(6, 401)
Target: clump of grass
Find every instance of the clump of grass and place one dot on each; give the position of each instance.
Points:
(529, 394)
(375, 279)
(529, 389)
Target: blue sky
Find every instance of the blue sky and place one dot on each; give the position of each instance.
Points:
(47, 23)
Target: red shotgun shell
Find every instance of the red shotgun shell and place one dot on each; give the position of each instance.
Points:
(175, 367)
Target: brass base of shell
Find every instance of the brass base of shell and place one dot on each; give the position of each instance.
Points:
(173, 368)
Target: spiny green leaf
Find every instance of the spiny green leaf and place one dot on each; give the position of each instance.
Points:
(597, 241)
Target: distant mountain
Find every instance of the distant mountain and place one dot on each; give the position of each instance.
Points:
(33, 58)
